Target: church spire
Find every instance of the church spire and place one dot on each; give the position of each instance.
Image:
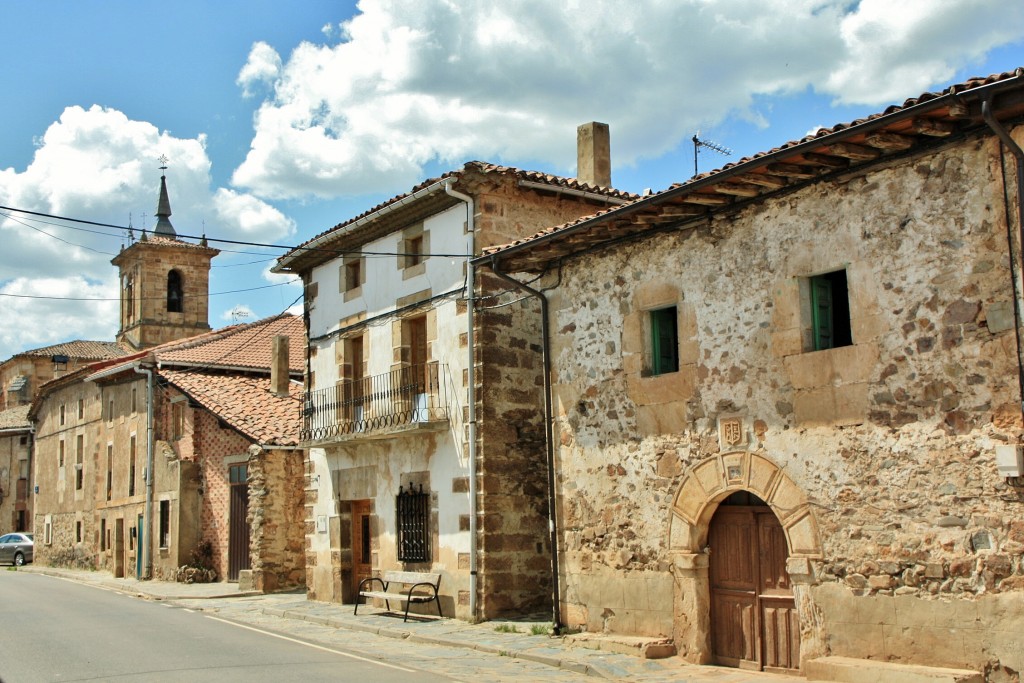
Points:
(163, 208)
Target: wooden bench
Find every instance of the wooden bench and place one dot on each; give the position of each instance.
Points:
(418, 587)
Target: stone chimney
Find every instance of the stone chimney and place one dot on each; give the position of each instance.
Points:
(279, 366)
(593, 154)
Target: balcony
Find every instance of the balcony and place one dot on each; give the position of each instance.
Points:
(407, 399)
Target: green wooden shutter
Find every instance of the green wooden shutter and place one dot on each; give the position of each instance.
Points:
(665, 341)
(824, 314)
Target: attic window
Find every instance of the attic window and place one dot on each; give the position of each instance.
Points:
(60, 363)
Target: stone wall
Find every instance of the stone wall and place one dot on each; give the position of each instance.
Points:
(515, 548)
(277, 518)
(887, 445)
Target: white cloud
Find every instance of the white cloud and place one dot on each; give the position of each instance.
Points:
(36, 311)
(892, 51)
(415, 82)
(99, 165)
(263, 66)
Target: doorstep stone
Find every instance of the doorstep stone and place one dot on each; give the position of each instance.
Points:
(851, 670)
(637, 646)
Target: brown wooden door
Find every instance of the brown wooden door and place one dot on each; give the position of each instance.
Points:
(238, 521)
(119, 551)
(418, 351)
(753, 616)
(362, 561)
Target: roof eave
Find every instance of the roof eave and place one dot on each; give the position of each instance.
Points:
(495, 258)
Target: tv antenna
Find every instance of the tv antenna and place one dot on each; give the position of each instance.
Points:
(713, 146)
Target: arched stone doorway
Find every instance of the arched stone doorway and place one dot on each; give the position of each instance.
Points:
(706, 485)
(754, 624)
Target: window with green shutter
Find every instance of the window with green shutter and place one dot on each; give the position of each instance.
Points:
(830, 310)
(664, 341)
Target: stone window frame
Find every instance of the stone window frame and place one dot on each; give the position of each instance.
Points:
(414, 251)
(840, 330)
(163, 534)
(352, 276)
(133, 446)
(830, 386)
(177, 426)
(79, 461)
(110, 471)
(344, 354)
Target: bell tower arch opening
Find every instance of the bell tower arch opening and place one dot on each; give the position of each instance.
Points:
(175, 293)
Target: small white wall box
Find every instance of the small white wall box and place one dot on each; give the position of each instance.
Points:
(1010, 460)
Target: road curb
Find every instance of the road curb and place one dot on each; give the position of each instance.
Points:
(551, 660)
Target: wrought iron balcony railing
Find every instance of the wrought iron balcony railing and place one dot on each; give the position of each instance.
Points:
(417, 395)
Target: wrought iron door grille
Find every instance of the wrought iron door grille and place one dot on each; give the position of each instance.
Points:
(413, 515)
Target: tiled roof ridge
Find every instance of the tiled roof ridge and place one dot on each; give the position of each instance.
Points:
(484, 167)
(224, 333)
(62, 346)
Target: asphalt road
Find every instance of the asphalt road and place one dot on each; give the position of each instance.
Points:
(57, 630)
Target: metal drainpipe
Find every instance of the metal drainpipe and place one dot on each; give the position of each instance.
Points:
(471, 398)
(148, 530)
(556, 616)
(1015, 267)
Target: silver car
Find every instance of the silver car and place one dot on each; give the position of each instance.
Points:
(16, 548)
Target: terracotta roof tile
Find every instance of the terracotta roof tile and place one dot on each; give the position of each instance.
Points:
(245, 403)
(481, 167)
(239, 346)
(100, 350)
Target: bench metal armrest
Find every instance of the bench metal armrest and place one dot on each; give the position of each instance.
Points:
(417, 585)
(366, 583)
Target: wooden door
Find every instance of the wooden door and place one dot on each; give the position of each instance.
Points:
(753, 616)
(238, 521)
(362, 538)
(140, 532)
(119, 551)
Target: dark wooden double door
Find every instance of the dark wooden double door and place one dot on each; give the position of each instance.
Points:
(753, 616)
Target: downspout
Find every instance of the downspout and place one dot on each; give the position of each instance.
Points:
(556, 617)
(148, 517)
(1015, 266)
(471, 398)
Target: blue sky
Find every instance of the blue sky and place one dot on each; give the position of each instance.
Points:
(280, 120)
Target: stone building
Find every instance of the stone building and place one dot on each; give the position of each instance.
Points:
(787, 397)
(15, 461)
(20, 378)
(183, 453)
(399, 424)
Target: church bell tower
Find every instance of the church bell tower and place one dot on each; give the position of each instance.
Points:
(165, 284)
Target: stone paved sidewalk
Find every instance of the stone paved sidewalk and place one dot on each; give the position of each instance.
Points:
(291, 613)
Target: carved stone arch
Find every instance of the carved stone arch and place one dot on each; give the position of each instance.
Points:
(706, 484)
(713, 479)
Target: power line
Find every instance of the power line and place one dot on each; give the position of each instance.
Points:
(71, 298)
(285, 247)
